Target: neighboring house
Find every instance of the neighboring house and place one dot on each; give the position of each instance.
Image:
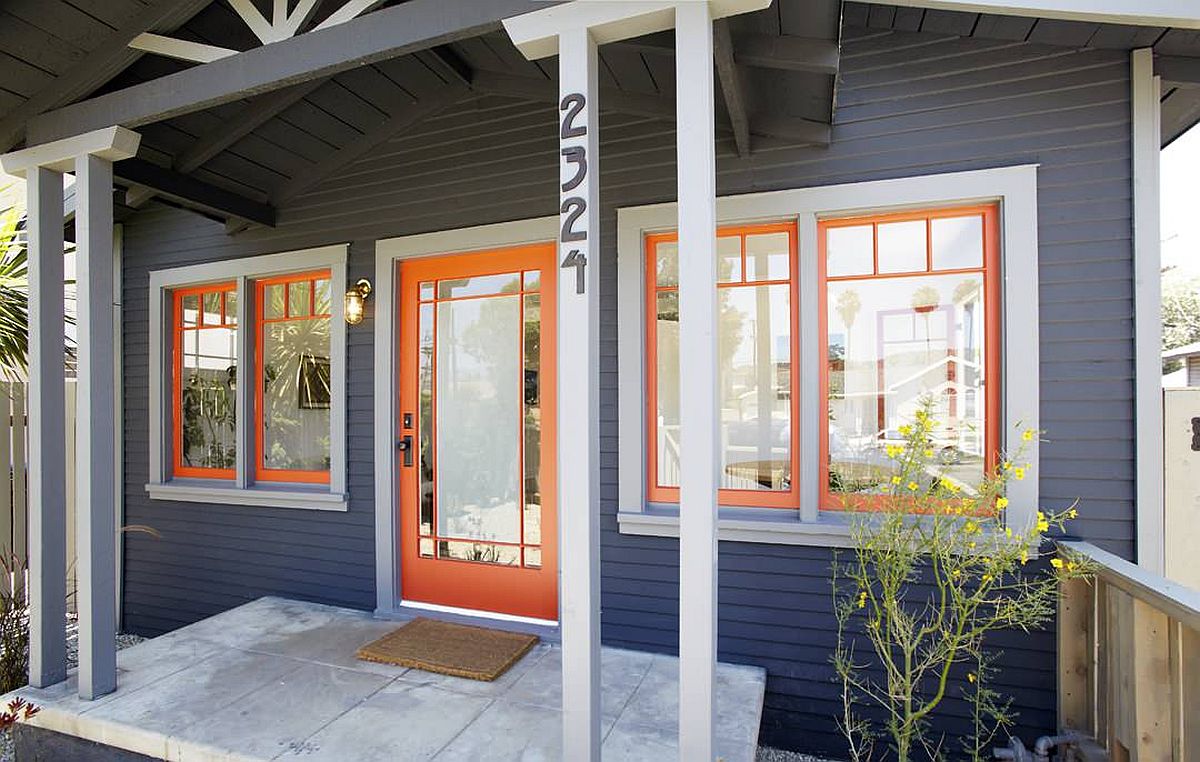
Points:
(912, 199)
(1189, 374)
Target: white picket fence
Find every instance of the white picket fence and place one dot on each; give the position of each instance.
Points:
(14, 501)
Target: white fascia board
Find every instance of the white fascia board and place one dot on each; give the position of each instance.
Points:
(111, 143)
(536, 34)
(1181, 14)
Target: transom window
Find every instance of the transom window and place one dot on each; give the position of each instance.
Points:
(757, 297)
(910, 316)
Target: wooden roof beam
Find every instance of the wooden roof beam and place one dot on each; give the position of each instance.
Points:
(768, 51)
(731, 85)
(103, 63)
(387, 33)
(190, 192)
(1178, 71)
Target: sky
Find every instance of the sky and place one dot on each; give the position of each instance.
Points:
(1180, 173)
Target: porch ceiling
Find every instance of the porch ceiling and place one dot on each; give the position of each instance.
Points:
(1177, 50)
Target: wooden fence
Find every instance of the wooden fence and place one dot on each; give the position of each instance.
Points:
(1129, 662)
(14, 501)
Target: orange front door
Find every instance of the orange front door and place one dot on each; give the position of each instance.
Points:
(477, 447)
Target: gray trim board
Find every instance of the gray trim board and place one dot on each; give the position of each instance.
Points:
(189, 191)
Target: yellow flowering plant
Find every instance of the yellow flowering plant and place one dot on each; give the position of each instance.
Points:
(933, 570)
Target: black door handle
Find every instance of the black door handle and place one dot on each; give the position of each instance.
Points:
(405, 446)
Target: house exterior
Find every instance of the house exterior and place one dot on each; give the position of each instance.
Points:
(942, 198)
(1189, 374)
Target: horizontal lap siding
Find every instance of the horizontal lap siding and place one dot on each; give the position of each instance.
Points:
(910, 104)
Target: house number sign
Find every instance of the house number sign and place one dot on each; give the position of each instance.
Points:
(573, 210)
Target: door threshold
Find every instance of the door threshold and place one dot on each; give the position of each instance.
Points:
(546, 629)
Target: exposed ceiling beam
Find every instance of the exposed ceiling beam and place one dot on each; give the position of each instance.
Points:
(793, 129)
(771, 51)
(252, 116)
(451, 64)
(191, 192)
(182, 50)
(1178, 71)
(387, 33)
(103, 63)
(390, 127)
(731, 85)
(348, 11)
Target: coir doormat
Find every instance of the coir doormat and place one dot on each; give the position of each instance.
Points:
(461, 650)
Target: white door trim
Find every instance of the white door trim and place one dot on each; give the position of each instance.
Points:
(388, 253)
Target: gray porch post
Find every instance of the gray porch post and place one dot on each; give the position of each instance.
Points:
(47, 424)
(90, 155)
(95, 499)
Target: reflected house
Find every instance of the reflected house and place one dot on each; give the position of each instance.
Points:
(928, 203)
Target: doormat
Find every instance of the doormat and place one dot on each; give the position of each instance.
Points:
(460, 650)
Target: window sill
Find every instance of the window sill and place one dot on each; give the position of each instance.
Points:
(273, 497)
(745, 525)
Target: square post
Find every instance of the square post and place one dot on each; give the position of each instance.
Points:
(47, 422)
(579, 397)
(95, 509)
(699, 435)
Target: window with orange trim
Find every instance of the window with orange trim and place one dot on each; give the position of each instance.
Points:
(204, 381)
(293, 392)
(910, 312)
(758, 295)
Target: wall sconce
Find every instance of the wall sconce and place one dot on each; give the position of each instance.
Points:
(356, 300)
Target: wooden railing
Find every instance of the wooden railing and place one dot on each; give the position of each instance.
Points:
(1129, 662)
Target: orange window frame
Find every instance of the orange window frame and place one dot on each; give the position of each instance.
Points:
(733, 497)
(178, 468)
(261, 472)
(990, 272)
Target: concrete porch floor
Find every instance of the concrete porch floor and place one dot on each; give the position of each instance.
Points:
(277, 680)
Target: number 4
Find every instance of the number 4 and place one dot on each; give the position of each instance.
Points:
(577, 260)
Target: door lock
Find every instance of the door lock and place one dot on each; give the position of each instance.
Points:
(405, 446)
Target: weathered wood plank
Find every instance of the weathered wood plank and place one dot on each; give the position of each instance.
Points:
(1075, 642)
(1151, 696)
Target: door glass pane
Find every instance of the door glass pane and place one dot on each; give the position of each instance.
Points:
(480, 552)
(666, 263)
(850, 251)
(296, 394)
(667, 392)
(533, 420)
(231, 307)
(767, 256)
(425, 417)
(533, 280)
(957, 242)
(478, 407)
(323, 298)
(207, 406)
(480, 285)
(754, 350)
(902, 247)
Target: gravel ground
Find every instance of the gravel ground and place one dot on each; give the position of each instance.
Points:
(767, 754)
(123, 641)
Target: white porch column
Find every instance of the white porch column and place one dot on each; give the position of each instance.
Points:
(699, 435)
(579, 396)
(90, 155)
(47, 421)
(95, 499)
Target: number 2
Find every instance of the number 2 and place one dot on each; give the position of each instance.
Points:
(572, 104)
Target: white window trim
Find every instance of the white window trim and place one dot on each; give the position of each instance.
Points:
(388, 254)
(1014, 188)
(242, 490)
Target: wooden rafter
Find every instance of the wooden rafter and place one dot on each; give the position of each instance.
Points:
(281, 26)
(193, 193)
(110, 58)
(731, 85)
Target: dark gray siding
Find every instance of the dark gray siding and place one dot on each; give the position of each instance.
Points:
(909, 104)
